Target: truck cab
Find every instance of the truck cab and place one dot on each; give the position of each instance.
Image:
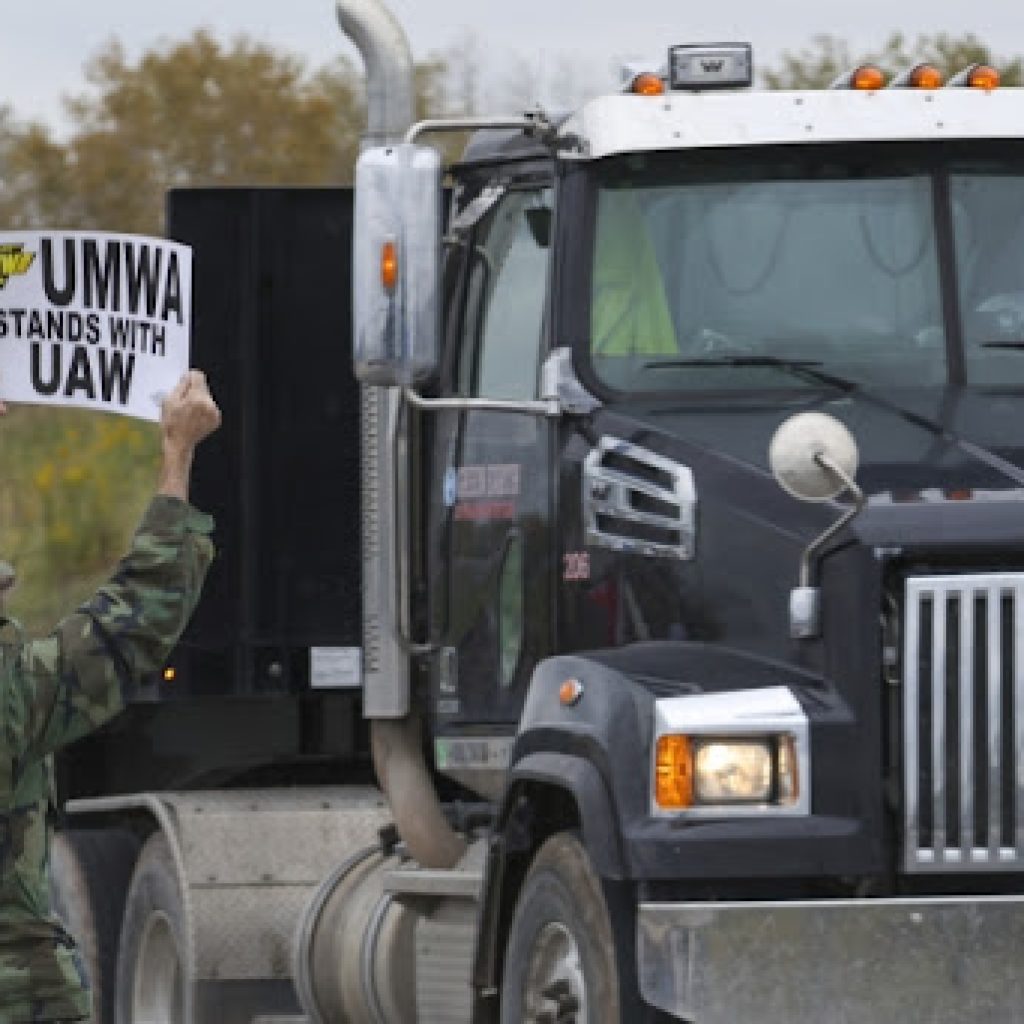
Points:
(634, 302)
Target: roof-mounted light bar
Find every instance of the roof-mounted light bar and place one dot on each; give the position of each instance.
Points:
(865, 77)
(920, 76)
(976, 76)
(698, 66)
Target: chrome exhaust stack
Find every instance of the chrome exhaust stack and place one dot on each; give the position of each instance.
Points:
(390, 79)
(396, 738)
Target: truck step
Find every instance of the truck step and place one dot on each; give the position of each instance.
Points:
(431, 882)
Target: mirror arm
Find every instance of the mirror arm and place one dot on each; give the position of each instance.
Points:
(859, 500)
(550, 407)
(469, 124)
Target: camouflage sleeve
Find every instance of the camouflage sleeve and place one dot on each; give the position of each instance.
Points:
(79, 677)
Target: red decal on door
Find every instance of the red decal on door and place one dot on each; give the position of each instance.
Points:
(485, 511)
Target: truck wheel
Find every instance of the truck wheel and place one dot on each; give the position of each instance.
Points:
(560, 959)
(89, 874)
(151, 965)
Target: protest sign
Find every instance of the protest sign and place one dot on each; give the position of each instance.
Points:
(94, 320)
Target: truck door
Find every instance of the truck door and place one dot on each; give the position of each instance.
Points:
(492, 474)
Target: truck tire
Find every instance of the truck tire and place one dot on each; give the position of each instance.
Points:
(89, 874)
(151, 964)
(560, 960)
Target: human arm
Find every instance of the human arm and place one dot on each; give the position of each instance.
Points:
(77, 678)
(188, 415)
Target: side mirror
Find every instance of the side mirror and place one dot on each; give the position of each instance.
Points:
(396, 264)
(814, 458)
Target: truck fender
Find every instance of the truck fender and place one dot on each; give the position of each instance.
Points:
(596, 820)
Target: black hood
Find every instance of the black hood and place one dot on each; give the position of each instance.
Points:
(940, 467)
(950, 439)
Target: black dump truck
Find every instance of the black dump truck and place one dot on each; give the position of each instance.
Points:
(619, 608)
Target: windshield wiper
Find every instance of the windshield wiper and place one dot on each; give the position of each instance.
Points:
(806, 368)
(1011, 345)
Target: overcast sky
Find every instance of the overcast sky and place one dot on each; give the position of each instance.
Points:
(45, 43)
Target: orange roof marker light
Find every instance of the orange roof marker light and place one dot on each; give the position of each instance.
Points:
(642, 78)
(977, 76)
(647, 84)
(866, 78)
(921, 76)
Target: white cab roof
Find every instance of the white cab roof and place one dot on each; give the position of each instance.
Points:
(681, 120)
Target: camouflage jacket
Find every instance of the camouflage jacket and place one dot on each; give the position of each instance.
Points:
(56, 690)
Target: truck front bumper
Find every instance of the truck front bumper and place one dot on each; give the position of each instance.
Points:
(926, 960)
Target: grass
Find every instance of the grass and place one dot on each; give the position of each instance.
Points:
(73, 485)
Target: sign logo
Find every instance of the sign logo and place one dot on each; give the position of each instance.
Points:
(14, 260)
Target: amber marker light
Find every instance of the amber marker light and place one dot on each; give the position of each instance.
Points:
(925, 76)
(867, 78)
(673, 782)
(983, 77)
(647, 85)
(389, 266)
(170, 674)
(570, 692)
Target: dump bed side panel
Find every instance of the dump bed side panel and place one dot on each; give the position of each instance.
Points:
(272, 331)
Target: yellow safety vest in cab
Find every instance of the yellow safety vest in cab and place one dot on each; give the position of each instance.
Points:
(629, 312)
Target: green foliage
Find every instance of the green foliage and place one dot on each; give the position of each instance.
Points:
(73, 485)
(827, 57)
(814, 67)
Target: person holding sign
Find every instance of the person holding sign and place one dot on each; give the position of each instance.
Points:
(55, 690)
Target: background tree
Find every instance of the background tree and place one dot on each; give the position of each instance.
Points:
(816, 66)
(462, 77)
(819, 64)
(6, 141)
(195, 112)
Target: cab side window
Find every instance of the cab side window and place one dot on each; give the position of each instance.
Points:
(506, 288)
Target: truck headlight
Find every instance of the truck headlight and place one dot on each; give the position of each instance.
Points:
(698, 771)
(711, 759)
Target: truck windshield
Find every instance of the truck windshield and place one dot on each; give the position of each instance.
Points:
(730, 271)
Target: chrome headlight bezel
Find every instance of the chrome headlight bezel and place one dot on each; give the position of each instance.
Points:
(770, 714)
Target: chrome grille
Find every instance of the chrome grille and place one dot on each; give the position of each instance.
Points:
(963, 715)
